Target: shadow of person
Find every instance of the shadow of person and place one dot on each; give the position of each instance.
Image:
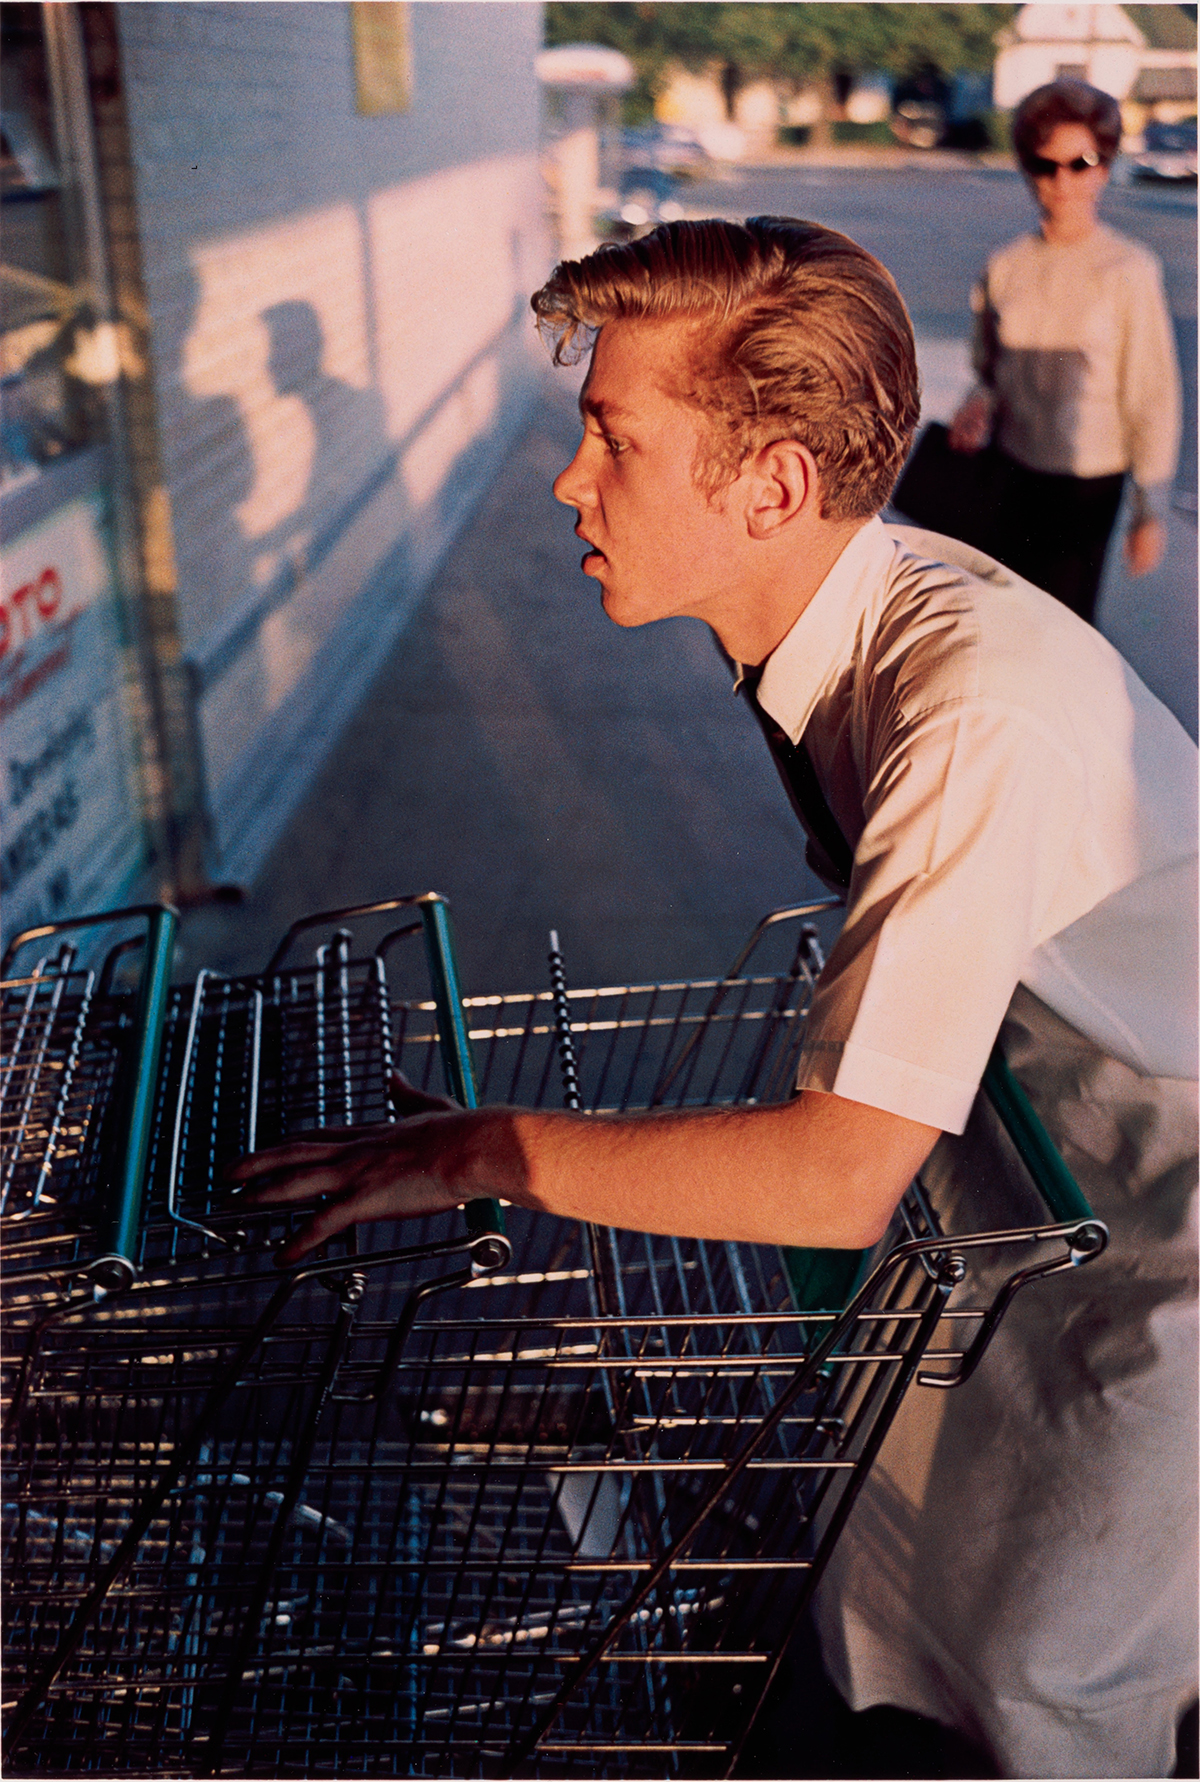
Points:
(208, 468)
(353, 453)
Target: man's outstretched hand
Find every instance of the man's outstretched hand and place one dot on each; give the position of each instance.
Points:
(434, 1157)
(815, 1170)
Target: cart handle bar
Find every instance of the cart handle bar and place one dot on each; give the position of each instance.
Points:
(27, 936)
(328, 918)
(116, 1265)
(484, 1217)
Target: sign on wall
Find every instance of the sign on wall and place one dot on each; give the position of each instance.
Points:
(382, 57)
(70, 832)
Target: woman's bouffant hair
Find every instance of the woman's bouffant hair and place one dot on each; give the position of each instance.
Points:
(1066, 101)
(799, 334)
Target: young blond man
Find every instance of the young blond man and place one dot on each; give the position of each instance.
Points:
(1012, 816)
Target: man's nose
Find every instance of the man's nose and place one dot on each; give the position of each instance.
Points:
(570, 484)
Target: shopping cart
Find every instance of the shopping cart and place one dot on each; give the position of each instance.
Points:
(449, 1500)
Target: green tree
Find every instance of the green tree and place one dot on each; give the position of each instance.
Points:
(800, 45)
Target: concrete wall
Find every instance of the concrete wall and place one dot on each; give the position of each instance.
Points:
(341, 344)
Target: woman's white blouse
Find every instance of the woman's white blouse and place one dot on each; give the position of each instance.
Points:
(1075, 342)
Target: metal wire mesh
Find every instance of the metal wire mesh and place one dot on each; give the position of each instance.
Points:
(394, 1574)
(387, 1515)
(700, 1043)
(244, 1063)
(61, 1049)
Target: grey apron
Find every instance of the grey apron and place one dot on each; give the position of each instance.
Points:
(1022, 1562)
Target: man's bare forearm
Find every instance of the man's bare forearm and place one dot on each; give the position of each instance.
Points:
(816, 1171)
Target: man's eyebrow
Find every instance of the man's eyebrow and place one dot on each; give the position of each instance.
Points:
(601, 410)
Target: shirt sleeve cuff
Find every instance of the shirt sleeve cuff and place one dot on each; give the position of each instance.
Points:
(1149, 502)
(857, 1073)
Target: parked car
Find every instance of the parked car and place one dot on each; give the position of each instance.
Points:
(1168, 151)
(672, 148)
(646, 196)
(921, 105)
(933, 110)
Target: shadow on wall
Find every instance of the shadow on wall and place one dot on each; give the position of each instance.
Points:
(308, 453)
(326, 443)
(247, 586)
(348, 422)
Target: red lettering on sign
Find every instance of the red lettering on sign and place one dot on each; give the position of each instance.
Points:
(48, 593)
(44, 595)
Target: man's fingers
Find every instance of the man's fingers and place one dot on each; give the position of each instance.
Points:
(389, 1171)
(304, 1184)
(323, 1225)
(298, 1153)
(356, 1205)
(260, 1164)
(332, 1141)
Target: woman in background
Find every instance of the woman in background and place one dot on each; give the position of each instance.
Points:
(1078, 379)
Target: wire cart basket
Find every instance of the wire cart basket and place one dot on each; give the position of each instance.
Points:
(486, 1495)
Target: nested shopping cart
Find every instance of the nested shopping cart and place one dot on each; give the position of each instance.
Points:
(484, 1495)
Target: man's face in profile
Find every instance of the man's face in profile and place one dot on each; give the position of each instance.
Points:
(660, 546)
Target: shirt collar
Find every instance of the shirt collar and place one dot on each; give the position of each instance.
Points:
(800, 668)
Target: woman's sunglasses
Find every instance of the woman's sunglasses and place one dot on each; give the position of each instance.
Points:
(1042, 167)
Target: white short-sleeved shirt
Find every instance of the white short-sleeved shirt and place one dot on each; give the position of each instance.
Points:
(1021, 810)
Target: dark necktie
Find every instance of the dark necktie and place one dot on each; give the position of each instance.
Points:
(829, 853)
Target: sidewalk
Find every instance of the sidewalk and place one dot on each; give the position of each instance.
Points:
(541, 768)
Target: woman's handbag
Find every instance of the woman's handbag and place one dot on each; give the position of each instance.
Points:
(959, 494)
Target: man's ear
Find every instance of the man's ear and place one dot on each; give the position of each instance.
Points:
(783, 483)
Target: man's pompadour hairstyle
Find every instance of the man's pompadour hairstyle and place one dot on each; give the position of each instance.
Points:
(799, 334)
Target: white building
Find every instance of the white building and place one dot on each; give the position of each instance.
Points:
(1144, 56)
